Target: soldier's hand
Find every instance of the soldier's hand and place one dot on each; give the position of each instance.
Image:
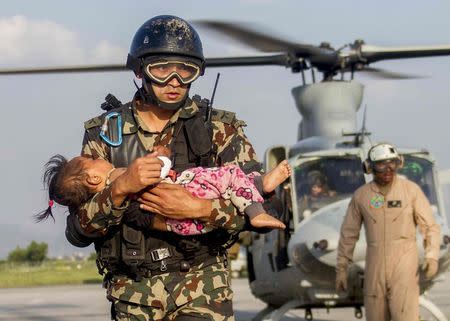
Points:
(174, 201)
(143, 172)
(341, 281)
(430, 266)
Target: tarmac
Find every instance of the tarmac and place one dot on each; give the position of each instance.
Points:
(87, 302)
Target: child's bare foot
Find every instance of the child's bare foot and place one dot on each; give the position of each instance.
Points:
(276, 176)
(265, 220)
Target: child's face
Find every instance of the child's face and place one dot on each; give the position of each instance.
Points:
(97, 171)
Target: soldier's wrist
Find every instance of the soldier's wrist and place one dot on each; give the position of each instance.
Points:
(118, 193)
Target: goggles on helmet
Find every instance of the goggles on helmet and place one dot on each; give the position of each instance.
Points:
(162, 71)
(383, 166)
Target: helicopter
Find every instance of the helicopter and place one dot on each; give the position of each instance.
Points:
(328, 142)
(295, 268)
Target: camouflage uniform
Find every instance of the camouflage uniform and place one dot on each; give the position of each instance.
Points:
(203, 290)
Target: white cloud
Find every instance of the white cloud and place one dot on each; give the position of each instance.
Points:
(105, 52)
(28, 42)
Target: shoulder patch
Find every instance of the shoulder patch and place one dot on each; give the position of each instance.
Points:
(227, 117)
(93, 122)
(124, 110)
(223, 116)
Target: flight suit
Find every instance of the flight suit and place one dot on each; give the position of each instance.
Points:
(391, 286)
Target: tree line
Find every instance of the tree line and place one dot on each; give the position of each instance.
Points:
(35, 253)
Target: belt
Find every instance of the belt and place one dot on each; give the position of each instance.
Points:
(185, 265)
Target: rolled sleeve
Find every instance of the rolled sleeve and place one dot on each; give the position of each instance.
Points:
(99, 213)
(233, 148)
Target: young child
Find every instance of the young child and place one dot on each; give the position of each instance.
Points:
(71, 183)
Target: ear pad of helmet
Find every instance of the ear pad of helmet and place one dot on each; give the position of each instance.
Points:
(367, 167)
(402, 161)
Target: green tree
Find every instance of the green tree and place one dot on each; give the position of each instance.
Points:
(34, 254)
(17, 255)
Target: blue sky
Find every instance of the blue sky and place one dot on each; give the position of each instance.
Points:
(43, 115)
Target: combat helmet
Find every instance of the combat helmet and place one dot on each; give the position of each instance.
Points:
(165, 36)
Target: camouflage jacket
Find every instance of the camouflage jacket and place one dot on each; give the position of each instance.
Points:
(233, 147)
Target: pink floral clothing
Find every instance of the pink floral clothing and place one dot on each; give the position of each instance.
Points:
(228, 182)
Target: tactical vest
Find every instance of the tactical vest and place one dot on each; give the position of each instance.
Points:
(142, 253)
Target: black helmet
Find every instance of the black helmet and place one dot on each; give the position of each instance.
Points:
(165, 35)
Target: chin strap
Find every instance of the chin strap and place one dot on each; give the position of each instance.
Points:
(148, 96)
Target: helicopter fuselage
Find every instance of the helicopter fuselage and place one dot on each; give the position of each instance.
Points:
(300, 263)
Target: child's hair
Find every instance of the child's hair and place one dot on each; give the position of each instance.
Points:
(63, 179)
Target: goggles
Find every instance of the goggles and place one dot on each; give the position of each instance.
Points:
(383, 166)
(163, 71)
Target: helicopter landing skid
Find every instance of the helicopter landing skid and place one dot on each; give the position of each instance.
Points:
(272, 314)
(429, 311)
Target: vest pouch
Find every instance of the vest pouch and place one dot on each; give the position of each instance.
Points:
(199, 138)
(133, 245)
(108, 252)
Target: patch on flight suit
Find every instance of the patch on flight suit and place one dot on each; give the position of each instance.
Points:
(392, 204)
(377, 201)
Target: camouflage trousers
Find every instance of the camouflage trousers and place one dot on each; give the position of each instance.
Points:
(202, 293)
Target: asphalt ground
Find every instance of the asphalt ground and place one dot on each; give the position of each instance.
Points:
(87, 302)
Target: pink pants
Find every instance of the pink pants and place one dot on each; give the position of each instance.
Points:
(227, 182)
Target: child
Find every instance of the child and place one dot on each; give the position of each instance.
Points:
(71, 183)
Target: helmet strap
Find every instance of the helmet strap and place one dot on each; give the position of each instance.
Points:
(148, 96)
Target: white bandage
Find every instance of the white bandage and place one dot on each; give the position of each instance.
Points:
(166, 167)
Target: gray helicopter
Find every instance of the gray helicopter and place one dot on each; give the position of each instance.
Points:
(295, 268)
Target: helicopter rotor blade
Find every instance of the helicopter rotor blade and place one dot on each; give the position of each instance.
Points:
(375, 53)
(68, 69)
(278, 60)
(259, 40)
(322, 57)
(387, 74)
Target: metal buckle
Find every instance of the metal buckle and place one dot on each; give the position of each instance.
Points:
(160, 254)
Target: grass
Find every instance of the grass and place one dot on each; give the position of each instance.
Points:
(48, 273)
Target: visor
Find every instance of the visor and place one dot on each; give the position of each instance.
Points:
(383, 166)
(164, 70)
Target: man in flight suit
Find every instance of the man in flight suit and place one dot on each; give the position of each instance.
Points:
(390, 207)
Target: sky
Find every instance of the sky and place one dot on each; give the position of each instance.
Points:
(43, 115)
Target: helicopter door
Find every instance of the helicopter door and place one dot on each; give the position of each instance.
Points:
(276, 242)
(273, 157)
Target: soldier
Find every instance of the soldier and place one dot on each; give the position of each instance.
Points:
(153, 275)
(390, 208)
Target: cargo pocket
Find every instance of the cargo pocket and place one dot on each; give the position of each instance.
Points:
(211, 279)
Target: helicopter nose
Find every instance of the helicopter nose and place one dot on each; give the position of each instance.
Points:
(318, 235)
(322, 245)
(315, 242)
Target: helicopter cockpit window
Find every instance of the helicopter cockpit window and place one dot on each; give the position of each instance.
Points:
(325, 180)
(420, 171)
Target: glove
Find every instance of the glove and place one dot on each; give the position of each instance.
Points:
(341, 280)
(430, 266)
